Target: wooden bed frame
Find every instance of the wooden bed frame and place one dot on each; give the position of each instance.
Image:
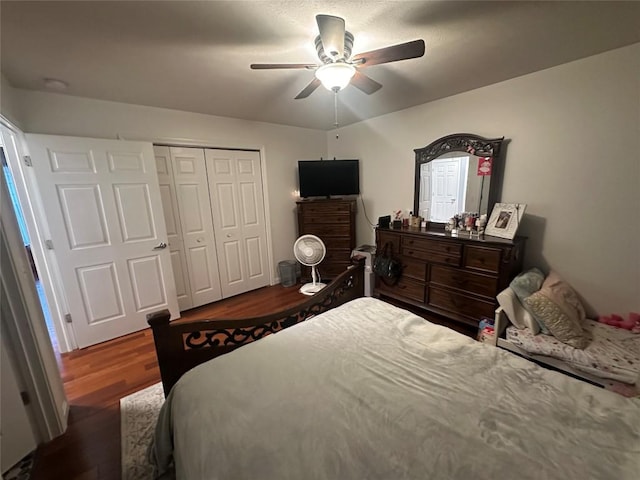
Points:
(181, 345)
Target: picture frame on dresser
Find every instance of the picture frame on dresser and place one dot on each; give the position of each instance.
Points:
(505, 220)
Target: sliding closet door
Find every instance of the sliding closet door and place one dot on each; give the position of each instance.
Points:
(237, 205)
(192, 193)
(174, 229)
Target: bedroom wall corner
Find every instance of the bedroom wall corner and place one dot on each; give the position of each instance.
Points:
(572, 158)
(9, 102)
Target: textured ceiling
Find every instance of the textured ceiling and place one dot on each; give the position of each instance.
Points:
(195, 56)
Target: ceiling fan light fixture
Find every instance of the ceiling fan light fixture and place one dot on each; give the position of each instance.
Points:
(335, 76)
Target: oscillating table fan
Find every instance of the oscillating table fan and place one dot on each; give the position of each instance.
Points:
(310, 251)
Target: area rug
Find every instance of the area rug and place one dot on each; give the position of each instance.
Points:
(138, 415)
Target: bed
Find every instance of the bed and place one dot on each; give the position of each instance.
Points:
(611, 359)
(366, 390)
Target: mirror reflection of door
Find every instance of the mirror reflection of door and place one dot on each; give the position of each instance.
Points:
(443, 188)
(424, 209)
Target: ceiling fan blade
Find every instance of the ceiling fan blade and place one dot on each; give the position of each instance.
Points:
(402, 51)
(364, 83)
(332, 34)
(269, 66)
(309, 89)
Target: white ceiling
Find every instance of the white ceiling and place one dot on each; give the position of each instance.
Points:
(195, 56)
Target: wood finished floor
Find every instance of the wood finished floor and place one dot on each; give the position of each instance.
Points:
(95, 378)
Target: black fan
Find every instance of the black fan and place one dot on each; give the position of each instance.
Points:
(338, 68)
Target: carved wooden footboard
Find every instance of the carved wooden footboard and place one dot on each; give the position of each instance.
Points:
(181, 345)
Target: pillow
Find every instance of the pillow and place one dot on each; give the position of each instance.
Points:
(516, 313)
(526, 284)
(557, 305)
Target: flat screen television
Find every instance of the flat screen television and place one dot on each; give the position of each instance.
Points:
(325, 178)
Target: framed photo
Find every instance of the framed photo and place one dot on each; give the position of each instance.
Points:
(505, 220)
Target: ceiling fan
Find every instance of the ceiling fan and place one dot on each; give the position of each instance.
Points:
(338, 67)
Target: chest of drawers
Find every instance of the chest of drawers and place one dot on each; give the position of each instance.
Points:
(456, 277)
(333, 220)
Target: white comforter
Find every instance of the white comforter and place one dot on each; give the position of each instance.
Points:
(370, 391)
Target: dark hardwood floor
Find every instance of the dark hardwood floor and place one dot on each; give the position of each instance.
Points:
(95, 378)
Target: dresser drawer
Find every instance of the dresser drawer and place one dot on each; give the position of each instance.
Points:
(336, 243)
(326, 229)
(460, 303)
(314, 219)
(406, 287)
(337, 255)
(445, 248)
(485, 285)
(414, 269)
(321, 208)
(482, 258)
(431, 256)
(392, 238)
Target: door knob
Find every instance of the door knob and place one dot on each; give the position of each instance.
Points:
(160, 246)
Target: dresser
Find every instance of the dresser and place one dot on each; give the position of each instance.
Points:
(455, 277)
(334, 221)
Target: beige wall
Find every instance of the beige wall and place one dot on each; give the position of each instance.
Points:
(282, 146)
(8, 102)
(573, 158)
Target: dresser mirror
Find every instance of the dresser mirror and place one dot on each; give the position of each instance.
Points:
(457, 173)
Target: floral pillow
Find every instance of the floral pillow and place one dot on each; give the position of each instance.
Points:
(558, 307)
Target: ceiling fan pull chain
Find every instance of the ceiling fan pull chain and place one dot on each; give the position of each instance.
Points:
(335, 110)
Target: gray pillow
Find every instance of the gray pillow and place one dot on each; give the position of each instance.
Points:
(525, 285)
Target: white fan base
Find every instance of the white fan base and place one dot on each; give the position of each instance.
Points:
(312, 288)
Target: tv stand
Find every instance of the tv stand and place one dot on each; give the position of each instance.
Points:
(333, 220)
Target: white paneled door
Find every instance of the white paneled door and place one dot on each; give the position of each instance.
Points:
(237, 205)
(103, 206)
(448, 177)
(174, 228)
(192, 193)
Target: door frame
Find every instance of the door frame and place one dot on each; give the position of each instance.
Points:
(29, 344)
(38, 228)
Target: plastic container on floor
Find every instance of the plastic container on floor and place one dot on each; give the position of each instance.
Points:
(287, 269)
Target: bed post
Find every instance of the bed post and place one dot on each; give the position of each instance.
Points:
(166, 345)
